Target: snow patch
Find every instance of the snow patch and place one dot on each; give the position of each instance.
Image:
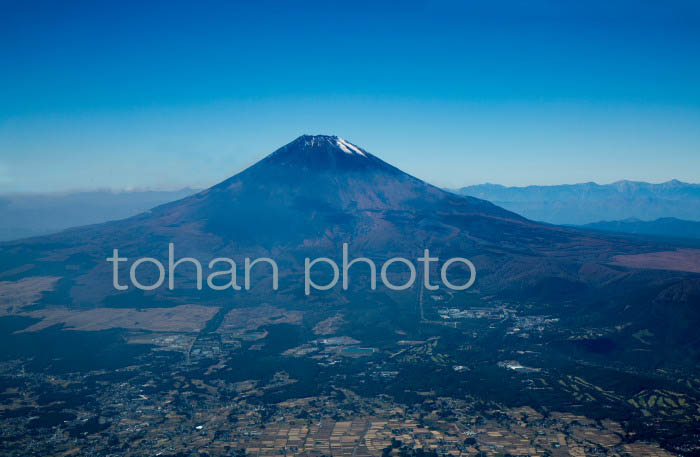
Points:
(349, 148)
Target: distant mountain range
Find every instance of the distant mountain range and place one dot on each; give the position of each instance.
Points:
(25, 215)
(665, 227)
(578, 204)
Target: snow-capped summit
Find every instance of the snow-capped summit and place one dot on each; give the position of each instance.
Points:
(319, 142)
(330, 153)
(349, 147)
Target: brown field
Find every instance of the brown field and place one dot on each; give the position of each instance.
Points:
(184, 318)
(679, 260)
(244, 320)
(15, 295)
(329, 326)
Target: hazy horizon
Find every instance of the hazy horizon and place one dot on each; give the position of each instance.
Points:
(193, 187)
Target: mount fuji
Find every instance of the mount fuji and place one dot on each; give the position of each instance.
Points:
(308, 198)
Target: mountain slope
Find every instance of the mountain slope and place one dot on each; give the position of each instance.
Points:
(314, 186)
(665, 227)
(585, 203)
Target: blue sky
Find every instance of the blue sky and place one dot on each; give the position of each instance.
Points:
(169, 94)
